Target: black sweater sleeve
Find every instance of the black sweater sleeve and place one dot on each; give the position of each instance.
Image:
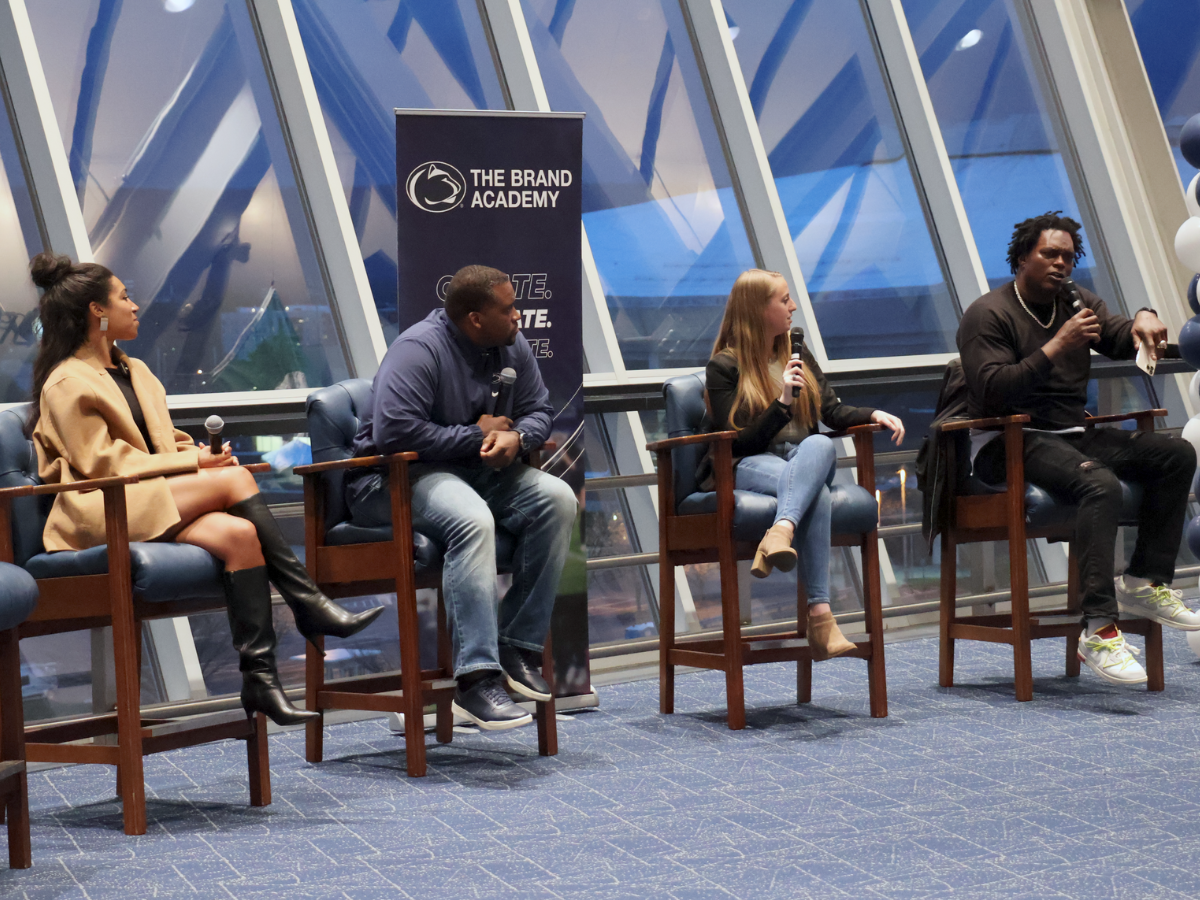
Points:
(721, 378)
(834, 413)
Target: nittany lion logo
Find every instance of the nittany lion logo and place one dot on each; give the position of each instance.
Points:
(436, 187)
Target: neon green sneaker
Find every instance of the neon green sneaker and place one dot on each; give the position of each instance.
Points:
(1158, 603)
(1107, 654)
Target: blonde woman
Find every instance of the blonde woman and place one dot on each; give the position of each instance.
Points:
(778, 450)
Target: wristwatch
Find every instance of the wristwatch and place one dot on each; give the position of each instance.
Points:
(526, 442)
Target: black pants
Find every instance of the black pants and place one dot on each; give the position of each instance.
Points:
(1082, 469)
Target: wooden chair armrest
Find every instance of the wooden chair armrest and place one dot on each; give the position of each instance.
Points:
(995, 422)
(257, 468)
(672, 443)
(548, 446)
(1125, 417)
(855, 429)
(91, 484)
(356, 462)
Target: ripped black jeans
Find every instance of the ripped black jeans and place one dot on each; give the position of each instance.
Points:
(1082, 469)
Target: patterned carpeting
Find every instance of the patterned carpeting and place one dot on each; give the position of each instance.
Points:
(1089, 791)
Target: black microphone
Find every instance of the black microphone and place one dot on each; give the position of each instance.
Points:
(1073, 294)
(214, 425)
(797, 345)
(506, 379)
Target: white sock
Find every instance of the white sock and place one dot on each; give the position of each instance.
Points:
(1132, 582)
(1094, 625)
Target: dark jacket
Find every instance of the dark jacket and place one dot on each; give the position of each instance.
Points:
(756, 435)
(932, 478)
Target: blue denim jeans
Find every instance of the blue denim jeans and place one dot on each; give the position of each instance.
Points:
(799, 479)
(459, 509)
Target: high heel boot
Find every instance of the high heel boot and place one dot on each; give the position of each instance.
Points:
(315, 613)
(825, 639)
(248, 603)
(774, 551)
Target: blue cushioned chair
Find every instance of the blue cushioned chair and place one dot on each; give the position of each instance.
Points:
(1015, 512)
(120, 585)
(346, 560)
(726, 525)
(18, 597)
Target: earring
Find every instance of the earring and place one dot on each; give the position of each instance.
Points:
(104, 323)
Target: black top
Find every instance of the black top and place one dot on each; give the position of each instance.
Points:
(756, 435)
(1008, 372)
(121, 376)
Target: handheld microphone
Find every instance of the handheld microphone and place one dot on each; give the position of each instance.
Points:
(797, 345)
(214, 425)
(506, 379)
(1073, 294)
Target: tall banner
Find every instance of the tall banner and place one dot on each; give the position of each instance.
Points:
(502, 189)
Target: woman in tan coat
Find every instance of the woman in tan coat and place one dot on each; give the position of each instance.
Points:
(98, 413)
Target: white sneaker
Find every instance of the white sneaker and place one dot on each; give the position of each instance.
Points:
(1158, 603)
(1107, 654)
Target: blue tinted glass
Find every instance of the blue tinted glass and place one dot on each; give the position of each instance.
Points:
(187, 190)
(19, 240)
(658, 205)
(368, 59)
(995, 123)
(843, 177)
(1168, 35)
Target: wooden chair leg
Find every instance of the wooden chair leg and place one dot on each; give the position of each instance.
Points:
(314, 683)
(15, 809)
(131, 780)
(1073, 606)
(804, 663)
(1022, 649)
(547, 718)
(731, 622)
(1154, 658)
(444, 717)
(873, 603)
(410, 679)
(666, 634)
(949, 588)
(258, 762)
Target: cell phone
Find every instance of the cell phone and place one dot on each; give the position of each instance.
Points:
(1145, 359)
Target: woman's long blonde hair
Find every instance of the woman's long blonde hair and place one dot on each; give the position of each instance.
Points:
(742, 336)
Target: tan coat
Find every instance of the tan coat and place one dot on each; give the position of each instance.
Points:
(86, 430)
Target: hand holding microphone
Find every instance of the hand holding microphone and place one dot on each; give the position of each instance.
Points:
(214, 454)
(793, 372)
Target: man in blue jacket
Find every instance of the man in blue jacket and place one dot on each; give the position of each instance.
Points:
(436, 393)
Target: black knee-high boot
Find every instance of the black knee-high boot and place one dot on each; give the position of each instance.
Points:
(315, 613)
(248, 603)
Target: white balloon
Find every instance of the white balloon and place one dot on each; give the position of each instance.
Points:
(1193, 204)
(1194, 393)
(1193, 639)
(1187, 243)
(1191, 432)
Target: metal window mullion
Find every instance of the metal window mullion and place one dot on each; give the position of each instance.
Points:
(930, 161)
(315, 170)
(766, 224)
(1124, 197)
(37, 135)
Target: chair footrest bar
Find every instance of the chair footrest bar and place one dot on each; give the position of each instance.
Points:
(104, 754)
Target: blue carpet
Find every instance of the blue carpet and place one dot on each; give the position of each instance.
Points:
(1088, 791)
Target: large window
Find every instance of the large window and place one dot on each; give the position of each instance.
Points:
(658, 201)
(1168, 35)
(183, 173)
(843, 176)
(998, 128)
(368, 59)
(19, 240)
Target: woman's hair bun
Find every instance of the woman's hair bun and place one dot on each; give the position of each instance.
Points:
(47, 269)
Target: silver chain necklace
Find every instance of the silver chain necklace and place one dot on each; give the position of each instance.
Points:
(1053, 310)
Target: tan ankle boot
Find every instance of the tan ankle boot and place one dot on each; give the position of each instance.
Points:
(774, 551)
(825, 639)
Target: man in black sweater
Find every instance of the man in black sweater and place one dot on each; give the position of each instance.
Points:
(1026, 350)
